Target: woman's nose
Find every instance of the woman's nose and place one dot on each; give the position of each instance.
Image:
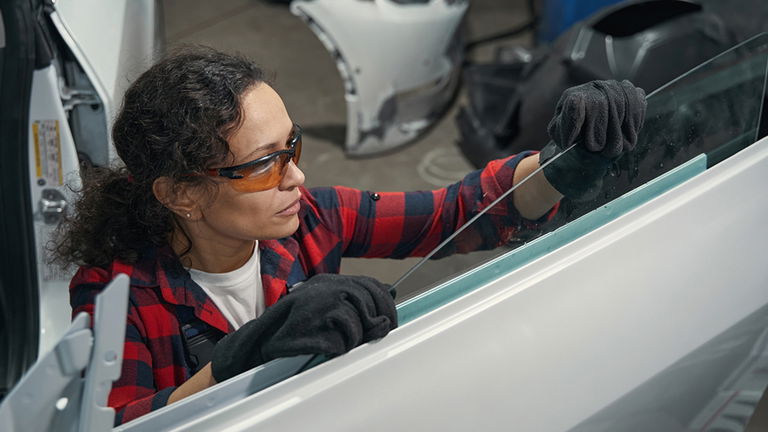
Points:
(294, 177)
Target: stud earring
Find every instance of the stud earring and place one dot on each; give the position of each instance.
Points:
(189, 215)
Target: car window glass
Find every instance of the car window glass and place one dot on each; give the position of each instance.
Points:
(715, 109)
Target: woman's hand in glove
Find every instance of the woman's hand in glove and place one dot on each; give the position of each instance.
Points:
(604, 117)
(327, 314)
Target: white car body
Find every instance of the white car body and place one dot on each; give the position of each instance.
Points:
(399, 60)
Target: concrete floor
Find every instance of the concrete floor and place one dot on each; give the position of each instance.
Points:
(309, 83)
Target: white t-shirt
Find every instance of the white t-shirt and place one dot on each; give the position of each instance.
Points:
(239, 293)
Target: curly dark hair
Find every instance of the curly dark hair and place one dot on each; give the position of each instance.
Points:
(175, 119)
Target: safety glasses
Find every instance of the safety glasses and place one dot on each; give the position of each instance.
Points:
(265, 172)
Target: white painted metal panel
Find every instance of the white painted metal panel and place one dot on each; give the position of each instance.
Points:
(114, 42)
(392, 96)
(53, 166)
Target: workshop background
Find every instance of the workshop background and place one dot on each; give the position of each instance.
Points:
(311, 87)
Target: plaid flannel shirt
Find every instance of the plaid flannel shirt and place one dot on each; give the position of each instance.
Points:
(335, 222)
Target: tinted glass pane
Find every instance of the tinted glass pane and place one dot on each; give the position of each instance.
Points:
(714, 110)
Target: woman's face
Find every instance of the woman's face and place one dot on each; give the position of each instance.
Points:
(248, 216)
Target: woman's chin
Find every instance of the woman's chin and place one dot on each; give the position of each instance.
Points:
(285, 229)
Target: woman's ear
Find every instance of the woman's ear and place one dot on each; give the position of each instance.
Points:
(177, 197)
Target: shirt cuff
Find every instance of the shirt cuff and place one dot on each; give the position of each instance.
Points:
(144, 406)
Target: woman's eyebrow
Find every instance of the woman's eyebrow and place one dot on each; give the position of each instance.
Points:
(267, 148)
(262, 149)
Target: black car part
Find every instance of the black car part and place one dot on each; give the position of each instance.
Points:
(25, 49)
(648, 42)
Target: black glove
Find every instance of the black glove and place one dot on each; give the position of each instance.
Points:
(327, 314)
(605, 118)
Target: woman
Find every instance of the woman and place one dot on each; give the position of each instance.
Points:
(210, 219)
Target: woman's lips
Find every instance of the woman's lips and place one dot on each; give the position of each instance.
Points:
(291, 209)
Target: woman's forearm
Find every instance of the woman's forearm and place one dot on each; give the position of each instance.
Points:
(199, 381)
(536, 196)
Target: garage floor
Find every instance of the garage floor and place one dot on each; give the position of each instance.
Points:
(308, 81)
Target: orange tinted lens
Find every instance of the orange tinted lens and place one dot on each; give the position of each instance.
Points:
(262, 177)
(267, 175)
(297, 150)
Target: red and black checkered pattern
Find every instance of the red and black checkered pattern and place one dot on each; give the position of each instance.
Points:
(335, 222)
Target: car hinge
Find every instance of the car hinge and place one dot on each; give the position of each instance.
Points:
(72, 97)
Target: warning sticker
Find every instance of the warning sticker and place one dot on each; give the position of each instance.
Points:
(48, 151)
(49, 271)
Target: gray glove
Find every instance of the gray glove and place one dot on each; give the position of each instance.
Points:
(605, 118)
(327, 314)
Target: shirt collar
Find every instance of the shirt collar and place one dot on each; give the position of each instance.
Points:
(161, 268)
(279, 267)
